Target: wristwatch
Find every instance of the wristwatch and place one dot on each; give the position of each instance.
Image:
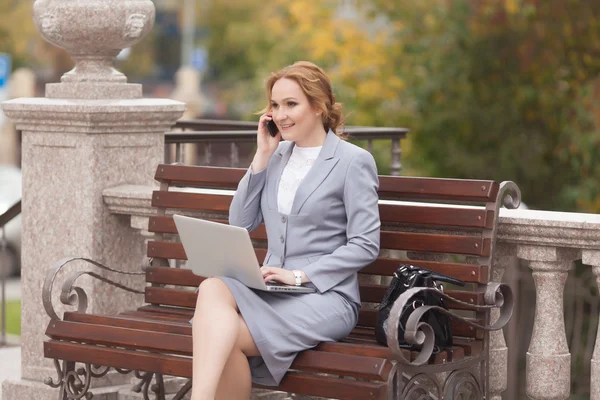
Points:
(298, 276)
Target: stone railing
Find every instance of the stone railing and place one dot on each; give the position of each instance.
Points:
(202, 141)
(549, 241)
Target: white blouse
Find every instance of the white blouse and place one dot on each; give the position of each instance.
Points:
(300, 162)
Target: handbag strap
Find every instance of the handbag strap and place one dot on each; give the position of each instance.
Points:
(436, 276)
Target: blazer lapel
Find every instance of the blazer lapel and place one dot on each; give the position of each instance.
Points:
(319, 171)
(278, 162)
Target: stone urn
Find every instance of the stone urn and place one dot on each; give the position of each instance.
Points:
(93, 32)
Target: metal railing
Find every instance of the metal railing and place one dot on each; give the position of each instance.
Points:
(5, 218)
(194, 141)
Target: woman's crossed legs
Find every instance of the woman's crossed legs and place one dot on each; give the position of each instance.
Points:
(222, 343)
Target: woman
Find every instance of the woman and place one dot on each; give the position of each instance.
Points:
(317, 196)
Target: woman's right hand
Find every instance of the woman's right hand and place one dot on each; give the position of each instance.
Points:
(265, 144)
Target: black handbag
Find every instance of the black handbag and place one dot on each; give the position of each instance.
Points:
(408, 277)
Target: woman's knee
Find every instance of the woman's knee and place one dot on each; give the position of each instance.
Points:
(215, 291)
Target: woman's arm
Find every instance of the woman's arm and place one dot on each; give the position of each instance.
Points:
(245, 206)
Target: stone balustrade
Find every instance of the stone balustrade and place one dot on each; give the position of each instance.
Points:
(549, 241)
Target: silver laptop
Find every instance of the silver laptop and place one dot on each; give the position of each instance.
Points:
(215, 249)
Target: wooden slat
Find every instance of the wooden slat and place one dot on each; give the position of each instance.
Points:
(187, 299)
(212, 177)
(182, 366)
(330, 387)
(389, 240)
(171, 297)
(459, 190)
(162, 310)
(127, 359)
(361, 343)
(150, 321)
(191, 201)
(453, 244)
(414, 215)
(397, 187)
(170, 317)
(436, 216)
(119, 336)
(465, 272)
(374, 368)
(139, 322)
(368, 318)
(175, 251)
(165, 224)
(370, 293)
(173, 276)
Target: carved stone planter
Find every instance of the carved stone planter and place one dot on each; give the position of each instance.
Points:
(93, 32)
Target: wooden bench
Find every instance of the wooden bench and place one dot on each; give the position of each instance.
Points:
(446, 225)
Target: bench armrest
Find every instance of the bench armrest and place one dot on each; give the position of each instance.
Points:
(75, 295)
(497, 295)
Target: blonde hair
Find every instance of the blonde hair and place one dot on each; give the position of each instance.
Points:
(317, 87)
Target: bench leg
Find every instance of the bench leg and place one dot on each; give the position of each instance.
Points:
(145, 385)
(70, 385)
(183, 391)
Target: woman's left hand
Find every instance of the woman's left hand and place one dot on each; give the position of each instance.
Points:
(278, 275)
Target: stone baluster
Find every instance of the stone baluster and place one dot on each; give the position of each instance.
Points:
(92, 131)
(504, 258)
(548, 365)
(592, 258)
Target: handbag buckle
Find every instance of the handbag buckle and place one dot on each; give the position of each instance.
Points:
(417, 303)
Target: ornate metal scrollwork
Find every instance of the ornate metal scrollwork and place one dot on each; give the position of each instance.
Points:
(75, 383)
(509, 195)
(462, 385)
(145, 385)
(74, 295)
(71, 385)
(421, 387)
(419, 333)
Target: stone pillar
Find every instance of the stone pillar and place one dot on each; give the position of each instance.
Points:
(548, 359)
(592, 257)
(504, 257)
(91, 131)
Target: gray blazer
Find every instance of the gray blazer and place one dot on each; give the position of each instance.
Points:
(332, 230)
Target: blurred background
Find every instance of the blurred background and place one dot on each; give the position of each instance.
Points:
(490, 89)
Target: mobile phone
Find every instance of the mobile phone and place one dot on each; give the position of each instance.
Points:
(272, 128)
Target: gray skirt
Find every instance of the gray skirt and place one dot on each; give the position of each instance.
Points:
(283, 324)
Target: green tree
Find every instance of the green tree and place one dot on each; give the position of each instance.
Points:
(500, 89)
(503, 91)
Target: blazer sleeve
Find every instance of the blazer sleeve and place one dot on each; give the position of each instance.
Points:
(244, 210)
(362, 229)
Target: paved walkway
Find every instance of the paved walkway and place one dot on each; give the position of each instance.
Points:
(10, 356)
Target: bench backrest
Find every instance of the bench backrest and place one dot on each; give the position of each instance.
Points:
(445, 225)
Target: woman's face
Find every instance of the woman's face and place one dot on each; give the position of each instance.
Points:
(296, 119)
